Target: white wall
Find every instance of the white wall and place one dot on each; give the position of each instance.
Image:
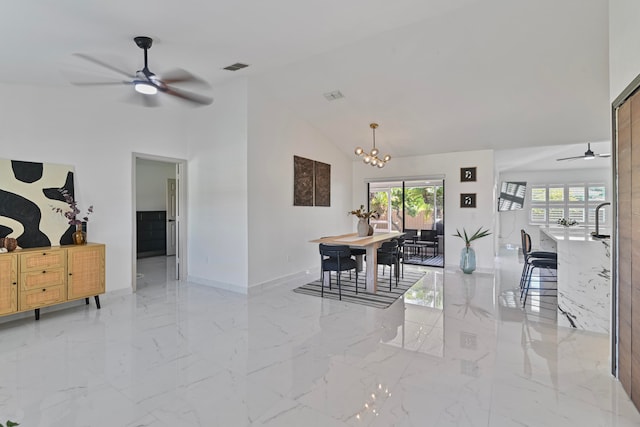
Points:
(510, 223)
(151, 184)
(217, 189)
(95, 132)
(447, 165)
(624, 34)
(279, 232)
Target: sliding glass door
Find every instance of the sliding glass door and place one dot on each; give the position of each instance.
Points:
(411, 205)
(424, 204)
(386, 199)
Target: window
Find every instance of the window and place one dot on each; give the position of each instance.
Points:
(578, 202)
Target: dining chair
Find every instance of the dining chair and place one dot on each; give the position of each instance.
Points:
(336, 258)
(388, 255)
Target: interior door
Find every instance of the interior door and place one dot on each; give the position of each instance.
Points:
(628, 237)
(171, 216)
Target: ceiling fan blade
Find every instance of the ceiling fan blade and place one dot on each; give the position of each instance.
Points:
(604, 155)
(571, 158)
(104, 64)
(100, 83)
(181, 76)
(189, 96)
(142, 100)
(150, 100)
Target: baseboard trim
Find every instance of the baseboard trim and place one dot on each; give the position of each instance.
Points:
(290, 280)
(219, 285)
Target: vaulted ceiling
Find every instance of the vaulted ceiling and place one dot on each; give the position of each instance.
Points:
(437, 75)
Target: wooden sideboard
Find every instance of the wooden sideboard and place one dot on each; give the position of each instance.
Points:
(39, 277)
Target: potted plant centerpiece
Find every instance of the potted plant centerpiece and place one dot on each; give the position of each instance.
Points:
(468, 255)
(364, 229)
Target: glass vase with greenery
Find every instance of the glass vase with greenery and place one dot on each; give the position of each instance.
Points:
(468, 255)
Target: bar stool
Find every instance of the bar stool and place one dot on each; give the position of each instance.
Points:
(530, 255)
(539, 263)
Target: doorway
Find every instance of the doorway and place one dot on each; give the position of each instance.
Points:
(417, 208)
(159, 214)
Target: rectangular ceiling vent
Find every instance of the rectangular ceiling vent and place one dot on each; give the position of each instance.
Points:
(235, 67)
(332, 96)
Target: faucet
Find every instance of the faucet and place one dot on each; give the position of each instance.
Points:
(597, 232)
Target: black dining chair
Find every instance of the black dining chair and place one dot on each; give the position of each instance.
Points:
(388, 255)
(336, 258)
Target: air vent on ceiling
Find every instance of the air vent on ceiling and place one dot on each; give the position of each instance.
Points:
(235, 67)
(332, 96)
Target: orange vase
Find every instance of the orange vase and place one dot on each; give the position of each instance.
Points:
(79, 236)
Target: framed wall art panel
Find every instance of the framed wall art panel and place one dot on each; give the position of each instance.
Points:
(29, 192)
(302, 181)
(322, 184)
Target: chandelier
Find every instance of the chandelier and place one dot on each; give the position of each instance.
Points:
(371, 158)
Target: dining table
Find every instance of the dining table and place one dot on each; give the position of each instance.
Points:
(370, 244)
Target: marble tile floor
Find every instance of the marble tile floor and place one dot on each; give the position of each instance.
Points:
(458, 350)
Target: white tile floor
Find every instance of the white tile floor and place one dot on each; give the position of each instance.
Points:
(457, 351)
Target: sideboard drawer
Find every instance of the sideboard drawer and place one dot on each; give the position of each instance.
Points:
(43, 278)
(36, 298)
(42, 260)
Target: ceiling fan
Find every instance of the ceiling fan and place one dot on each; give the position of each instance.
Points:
(149, 84)
(588, 155)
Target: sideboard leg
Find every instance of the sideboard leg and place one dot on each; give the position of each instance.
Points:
(86, 301)
(37, 314)
(97, 297)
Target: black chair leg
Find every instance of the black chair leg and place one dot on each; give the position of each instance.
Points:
(339, 288)
(356, 282)
(526, 290)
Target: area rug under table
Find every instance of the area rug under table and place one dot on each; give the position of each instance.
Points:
(381, 299)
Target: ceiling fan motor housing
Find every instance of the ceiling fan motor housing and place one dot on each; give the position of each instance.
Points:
(143, 42)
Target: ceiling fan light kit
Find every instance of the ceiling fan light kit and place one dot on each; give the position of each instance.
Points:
(371, 158)
(145, 88)
(148, 84)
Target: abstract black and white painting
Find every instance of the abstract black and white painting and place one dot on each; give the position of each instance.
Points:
(28, 193)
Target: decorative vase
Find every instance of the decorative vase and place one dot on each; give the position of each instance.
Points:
(363, 228)
(79, 236)
(467, 260)
(10, 243)
(370, 232)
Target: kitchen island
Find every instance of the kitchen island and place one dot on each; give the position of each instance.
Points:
(584, 277)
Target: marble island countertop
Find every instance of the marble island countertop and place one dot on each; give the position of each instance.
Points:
(583, 276)
(577, 233)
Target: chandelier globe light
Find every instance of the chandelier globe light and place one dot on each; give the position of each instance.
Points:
(371, 158)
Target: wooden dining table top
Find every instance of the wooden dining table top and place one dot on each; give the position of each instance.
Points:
(352, 239)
